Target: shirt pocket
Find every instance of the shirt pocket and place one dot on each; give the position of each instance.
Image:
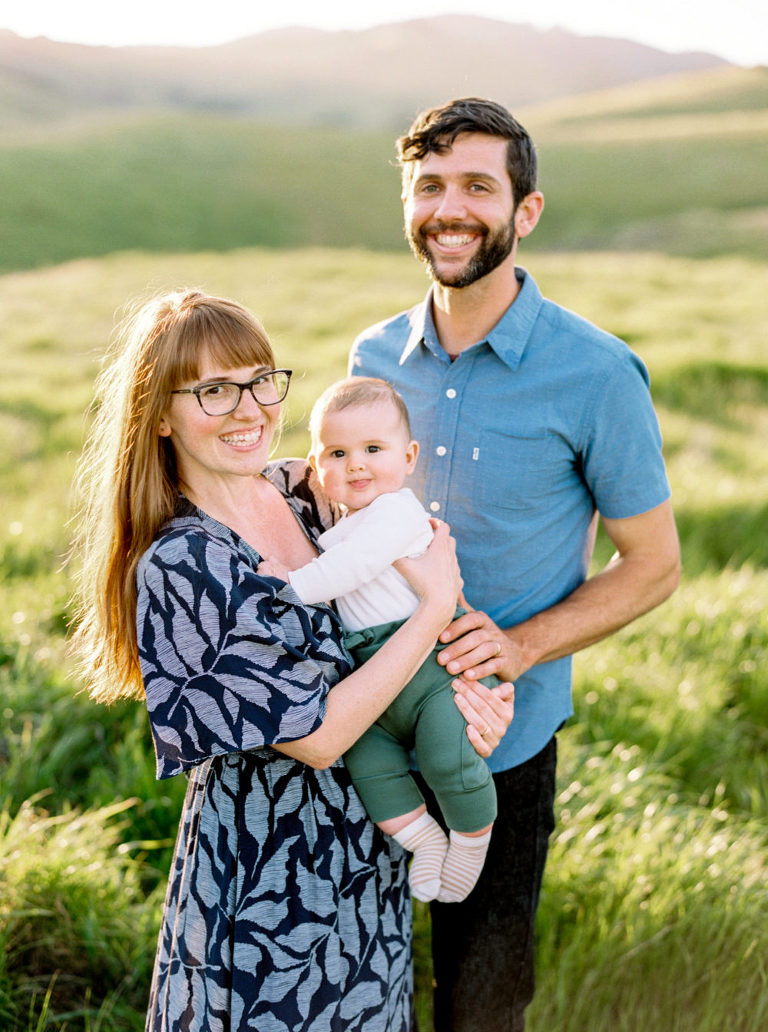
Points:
(516, 472)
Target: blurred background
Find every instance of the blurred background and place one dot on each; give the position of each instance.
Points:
(251, 153)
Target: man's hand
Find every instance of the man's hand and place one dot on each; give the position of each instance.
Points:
(478, 648)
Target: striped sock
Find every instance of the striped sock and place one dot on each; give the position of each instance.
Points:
(426, 840)
(463, 864)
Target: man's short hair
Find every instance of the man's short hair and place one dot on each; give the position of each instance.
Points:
(435, 130)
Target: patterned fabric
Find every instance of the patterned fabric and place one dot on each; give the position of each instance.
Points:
(286, 911)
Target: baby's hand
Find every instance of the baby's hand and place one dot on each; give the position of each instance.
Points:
(271, 567)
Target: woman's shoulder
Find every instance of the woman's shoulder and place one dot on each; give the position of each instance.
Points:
(298, 482)
(186, 535)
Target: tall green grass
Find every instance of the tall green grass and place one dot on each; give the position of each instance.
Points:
(654, 912)
(76, 926)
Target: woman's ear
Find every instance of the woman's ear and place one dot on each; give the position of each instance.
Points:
(164, 430)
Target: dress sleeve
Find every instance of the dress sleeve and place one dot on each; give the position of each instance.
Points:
(229, 662)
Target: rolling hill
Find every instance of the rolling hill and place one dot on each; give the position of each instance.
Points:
(675, 165)
(375, 77)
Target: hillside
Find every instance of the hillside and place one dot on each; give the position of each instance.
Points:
(373, 77)
(675, 166)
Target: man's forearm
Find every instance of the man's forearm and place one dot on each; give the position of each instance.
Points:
(608, 601)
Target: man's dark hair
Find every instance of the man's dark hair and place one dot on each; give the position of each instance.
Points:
(435, 130)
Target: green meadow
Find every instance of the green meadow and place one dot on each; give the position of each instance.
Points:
(654, 915)
(677, 165)
(655, 909)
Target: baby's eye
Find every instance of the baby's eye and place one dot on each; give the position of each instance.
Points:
(373, 448)
(337, 453)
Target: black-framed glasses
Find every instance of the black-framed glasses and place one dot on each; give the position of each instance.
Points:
(221, 398)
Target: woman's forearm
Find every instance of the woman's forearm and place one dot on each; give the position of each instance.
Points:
(357, 701)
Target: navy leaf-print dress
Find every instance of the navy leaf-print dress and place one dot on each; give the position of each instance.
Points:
(286, 910)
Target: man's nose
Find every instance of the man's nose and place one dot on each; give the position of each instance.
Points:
(452, 205)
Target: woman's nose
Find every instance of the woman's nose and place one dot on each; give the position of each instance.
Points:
(247, 405)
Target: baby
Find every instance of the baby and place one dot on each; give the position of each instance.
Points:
(362, 452)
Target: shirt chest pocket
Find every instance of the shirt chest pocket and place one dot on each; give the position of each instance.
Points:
(516, 472)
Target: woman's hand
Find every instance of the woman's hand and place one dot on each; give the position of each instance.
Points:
(487, 711)
(435, 575)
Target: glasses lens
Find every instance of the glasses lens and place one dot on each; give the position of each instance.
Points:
(219, 398)
(270, 389)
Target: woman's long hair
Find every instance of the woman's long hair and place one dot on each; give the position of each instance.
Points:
(127, 478)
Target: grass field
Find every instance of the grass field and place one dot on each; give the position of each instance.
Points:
(655, 910)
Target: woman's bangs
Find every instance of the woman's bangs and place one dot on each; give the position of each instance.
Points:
(218, 331)
(238, 349)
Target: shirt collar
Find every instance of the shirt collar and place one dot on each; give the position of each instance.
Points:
(508, 337)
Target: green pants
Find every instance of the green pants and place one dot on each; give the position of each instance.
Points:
(423, 719)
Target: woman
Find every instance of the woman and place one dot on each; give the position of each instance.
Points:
(285, 909)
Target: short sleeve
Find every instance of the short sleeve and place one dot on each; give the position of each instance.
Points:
(623, 463)
(229, 661)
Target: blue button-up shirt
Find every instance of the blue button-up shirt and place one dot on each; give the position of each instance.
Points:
(524, 437)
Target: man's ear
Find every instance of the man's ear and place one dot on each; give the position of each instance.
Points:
(528, 212)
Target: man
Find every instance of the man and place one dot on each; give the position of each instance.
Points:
(532, 423)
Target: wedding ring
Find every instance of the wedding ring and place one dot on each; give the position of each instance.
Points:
(487, 729)
(497, 652)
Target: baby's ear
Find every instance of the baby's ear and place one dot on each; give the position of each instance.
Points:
(312, 460)
(412, 454)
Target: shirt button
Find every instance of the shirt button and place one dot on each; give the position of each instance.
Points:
(441, 449)
(450, 393)
(434, 506)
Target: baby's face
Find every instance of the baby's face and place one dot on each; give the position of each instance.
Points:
(363, 452)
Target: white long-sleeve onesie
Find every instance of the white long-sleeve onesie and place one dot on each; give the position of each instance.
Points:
(355, 567)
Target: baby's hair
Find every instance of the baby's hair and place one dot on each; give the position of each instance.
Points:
(355, 390)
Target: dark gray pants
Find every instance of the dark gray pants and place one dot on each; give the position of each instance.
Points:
(482, 949)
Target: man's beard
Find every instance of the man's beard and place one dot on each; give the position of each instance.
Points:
(493, 250)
